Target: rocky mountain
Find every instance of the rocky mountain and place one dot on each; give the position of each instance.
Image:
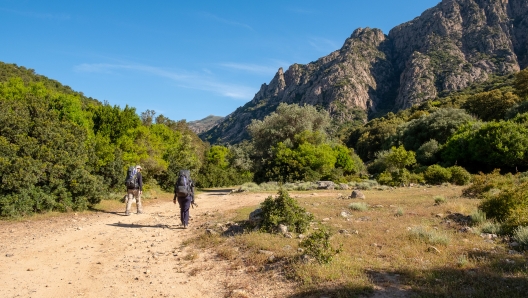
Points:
(447, 48)
(202, 125)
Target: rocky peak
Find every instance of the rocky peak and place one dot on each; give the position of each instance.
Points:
(447, 48)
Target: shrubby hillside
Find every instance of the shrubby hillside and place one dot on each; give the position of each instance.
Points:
(60, 150)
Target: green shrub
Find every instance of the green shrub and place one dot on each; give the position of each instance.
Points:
(284, 210)
(399, 212)
(429, 237)
(459, 175)
(510, 207)
(317, 245)
(439, 200)
(427, 154)
(359, 206)
(483, 183)
(491, 227)
(478, 217)
(521, 236)
(437, 175)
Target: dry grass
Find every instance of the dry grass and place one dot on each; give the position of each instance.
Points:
(419, 251)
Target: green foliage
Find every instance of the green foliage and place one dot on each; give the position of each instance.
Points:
(318, 246)
(43, 156)
(521, 83)
(436, 175)
(393, 165)
(430, 237)
(439, 126)
(483, 183)
(459, 175)
(490, 145)
(491, 105)
(62, 151)
(428, 153)
(358, 206)
(520, 235)
(374, 136)
(439, 200)
(508, 204)
(478, 217)
(283, 209)
(217, 170)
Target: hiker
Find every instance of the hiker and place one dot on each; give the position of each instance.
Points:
(184, 194)
(134, 183)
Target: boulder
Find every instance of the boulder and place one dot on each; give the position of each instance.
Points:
(325, 185)
(255, 217)
(356, 194)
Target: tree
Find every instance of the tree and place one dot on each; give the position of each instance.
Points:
(491, 105)
(521, 83)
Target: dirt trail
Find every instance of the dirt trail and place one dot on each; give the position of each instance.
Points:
(112, 255)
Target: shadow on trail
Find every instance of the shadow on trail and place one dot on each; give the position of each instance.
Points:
(135, 226)
(120, 213)
(217, 192)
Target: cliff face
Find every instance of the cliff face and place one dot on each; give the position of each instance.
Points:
(447, 48)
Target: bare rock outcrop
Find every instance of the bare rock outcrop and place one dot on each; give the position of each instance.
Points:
(447, 48)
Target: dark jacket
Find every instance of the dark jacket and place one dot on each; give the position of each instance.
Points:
(140, 181)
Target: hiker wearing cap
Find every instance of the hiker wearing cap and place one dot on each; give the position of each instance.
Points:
(135, 192)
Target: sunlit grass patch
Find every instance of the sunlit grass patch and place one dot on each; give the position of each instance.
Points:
(358, 206)
(428, 236)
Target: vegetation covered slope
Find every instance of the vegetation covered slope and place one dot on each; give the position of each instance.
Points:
(62, 151)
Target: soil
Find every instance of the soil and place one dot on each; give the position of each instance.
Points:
(108, 254)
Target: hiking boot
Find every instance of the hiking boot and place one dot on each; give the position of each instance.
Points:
(127, 214)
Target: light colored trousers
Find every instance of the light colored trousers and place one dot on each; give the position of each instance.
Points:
(133, 193)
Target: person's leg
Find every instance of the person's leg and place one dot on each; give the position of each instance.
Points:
(130, 194)
(185, 206)
(138, 202)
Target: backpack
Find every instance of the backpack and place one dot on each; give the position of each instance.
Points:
(131, 181)
(183, 186)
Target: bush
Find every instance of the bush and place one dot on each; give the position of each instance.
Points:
(491, 227)
(510, 207)
(358, 206)
(284, 210)
(437, 175)
(459, 175)
(427, 154)
(317, 245)
(439, 200)
(483, 183)
(478, 217)
(429, 237)
(521, 236)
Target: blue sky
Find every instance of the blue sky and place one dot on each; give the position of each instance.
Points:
(183, 60)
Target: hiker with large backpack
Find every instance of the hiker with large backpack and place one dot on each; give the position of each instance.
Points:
(134, 185)
(184, 194)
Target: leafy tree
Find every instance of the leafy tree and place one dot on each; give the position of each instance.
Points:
(427, 154)
(491, 105)
(521, 83)
(43, 153)
(374, 136)
(486, 146)
(439, 126)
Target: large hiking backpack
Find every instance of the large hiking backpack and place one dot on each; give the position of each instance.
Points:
(183, 186)
(131, 181)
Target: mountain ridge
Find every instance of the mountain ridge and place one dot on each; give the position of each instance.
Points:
(447, 48)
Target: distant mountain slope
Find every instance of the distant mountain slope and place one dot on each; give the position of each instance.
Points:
(447, 48)
(204, 124)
